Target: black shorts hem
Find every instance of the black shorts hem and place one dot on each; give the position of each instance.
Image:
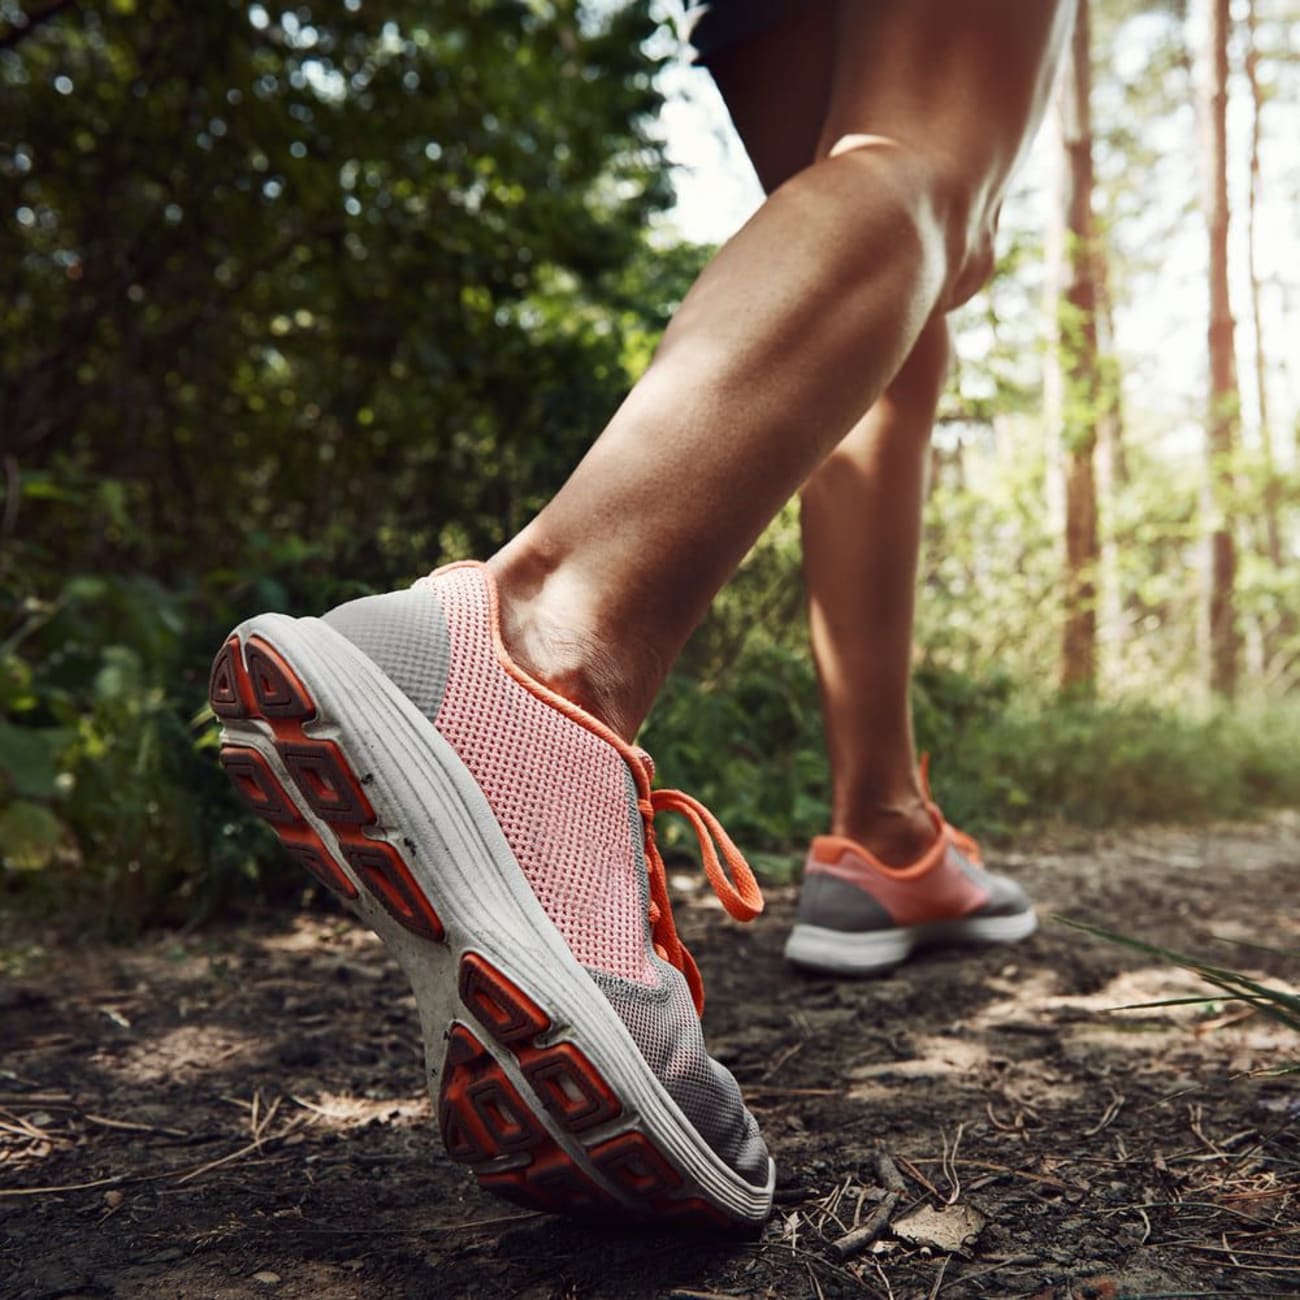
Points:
(716, 25)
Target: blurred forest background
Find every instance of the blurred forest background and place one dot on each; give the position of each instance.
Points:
(299, 302)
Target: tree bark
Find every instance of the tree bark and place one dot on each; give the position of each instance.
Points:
(1079, 387)
(1223, 415)
(1256, 316)
(1276, 633)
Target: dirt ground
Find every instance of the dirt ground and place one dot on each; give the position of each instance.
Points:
(238, 1112)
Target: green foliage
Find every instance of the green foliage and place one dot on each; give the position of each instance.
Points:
(1003, 758)
(297, 304)
(284, 275)
(106, 784)
(1088, 763)
(739, 725)
(750, 747)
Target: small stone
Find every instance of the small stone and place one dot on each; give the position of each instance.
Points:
(113, 1198)
(267, 1278)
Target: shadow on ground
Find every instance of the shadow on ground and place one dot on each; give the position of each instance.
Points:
(239, 1113)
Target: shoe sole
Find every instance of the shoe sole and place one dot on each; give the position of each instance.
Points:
(845, 952)
(537, 1085)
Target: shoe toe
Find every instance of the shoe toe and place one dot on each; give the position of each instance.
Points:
(666, 1030)
(1006, 897)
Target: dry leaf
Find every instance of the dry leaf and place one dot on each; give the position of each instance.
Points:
(951, 1229)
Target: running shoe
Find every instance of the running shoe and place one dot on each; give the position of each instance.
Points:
(500, 840)
(858, 916)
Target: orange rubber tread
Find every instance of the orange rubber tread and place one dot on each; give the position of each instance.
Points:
(256, 783)
(229, 691)
(255, 682)
(576, 1097)
(484, 1121)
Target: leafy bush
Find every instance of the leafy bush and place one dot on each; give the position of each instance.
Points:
(1094, 764)
(297, 309)
(751, 749)
(111, 802)
(109, 798)
(288, 297)
(1003, 758)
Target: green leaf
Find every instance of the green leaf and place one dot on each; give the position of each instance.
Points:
(1277, 1004)
(121, 677)
(30, 835)
(28, 758)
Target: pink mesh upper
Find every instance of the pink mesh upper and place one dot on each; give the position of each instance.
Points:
(562, 795)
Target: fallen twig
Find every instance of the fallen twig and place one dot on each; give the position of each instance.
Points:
(950, 1163)
(887, 1172)
(255, 1145)
(1046, 1179)
(1108, 1116)
(103, 1121)
(856, 1241)
(853, 1243)
(938, 1281)
(72, 1187)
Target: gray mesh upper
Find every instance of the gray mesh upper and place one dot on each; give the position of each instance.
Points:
(1005, 897)
(405, 633)
(835, 904)
(665, 1028)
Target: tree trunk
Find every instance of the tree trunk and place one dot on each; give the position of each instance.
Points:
(1224, 405)
(1110, 420)
(1261, 370)
(1117, 603)
(1275, 634)
(1079, 387)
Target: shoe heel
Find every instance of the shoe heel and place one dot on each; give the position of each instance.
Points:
(252, 682)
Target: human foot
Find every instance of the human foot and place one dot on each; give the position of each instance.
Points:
(499, 840)
(859, 916)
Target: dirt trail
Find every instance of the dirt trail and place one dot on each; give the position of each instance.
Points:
(244, 1106)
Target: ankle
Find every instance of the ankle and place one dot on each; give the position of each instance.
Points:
(897, 831)
(551, 628)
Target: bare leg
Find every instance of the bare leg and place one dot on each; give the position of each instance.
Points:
(796, 328)
(861, 514)
(861, 509)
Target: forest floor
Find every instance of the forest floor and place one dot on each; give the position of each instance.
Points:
(238, 1112)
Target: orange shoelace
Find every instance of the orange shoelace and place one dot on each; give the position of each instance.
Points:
(967, 845)
(735, 885)
(733, 882)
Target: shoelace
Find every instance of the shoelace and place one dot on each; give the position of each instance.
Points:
(966, 844)
(733, 883)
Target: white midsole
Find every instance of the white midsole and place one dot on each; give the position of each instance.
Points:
(862, 952)
(435, 813)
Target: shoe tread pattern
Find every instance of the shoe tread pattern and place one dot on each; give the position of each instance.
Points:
(502, 1133)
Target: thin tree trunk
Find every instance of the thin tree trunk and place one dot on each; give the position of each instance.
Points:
(1080, 371)
(1116, 601)
(1110, 423)
(1274, 634)
(1261, 369)
(1222, 418)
